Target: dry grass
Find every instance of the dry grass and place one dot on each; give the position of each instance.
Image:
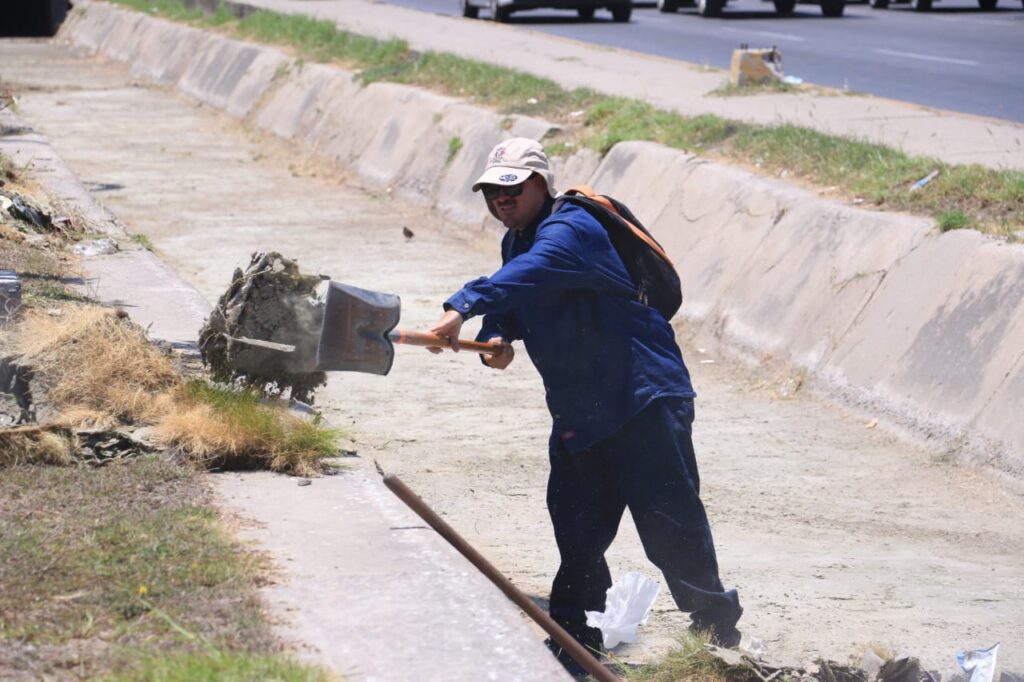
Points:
(53, 445)
(98, 367)
(688, 661)
(225, 427)
(99, 370)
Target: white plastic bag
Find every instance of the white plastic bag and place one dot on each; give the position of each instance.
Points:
(981, 663)
(627, 605)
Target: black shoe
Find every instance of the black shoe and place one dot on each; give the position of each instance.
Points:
(724, 635)
(725, 638)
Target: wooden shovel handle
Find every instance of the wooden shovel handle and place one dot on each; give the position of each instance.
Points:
(563, 638)
(433, 340)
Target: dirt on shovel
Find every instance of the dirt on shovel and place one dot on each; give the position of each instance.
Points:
(271, 300)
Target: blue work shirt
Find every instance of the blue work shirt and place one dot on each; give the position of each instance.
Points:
(564, 291)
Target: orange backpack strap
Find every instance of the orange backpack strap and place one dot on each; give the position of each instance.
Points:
(588, 192)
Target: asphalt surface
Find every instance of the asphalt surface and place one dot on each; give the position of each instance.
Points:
(956, 57)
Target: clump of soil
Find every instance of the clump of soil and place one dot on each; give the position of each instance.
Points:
(271, 300)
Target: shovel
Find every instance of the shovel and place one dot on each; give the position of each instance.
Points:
(357, 334)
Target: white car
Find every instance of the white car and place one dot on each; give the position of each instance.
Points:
(500, 10)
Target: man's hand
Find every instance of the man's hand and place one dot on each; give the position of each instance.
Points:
(448, 328)
(503, 356)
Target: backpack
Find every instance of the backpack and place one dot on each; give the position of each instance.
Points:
(656, 279)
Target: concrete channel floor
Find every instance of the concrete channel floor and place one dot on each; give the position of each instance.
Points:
(677, 86)
(837, 535)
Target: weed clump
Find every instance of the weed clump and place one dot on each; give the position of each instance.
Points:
(224, 427)
(33, 445)
(97, 367)
(98, 370)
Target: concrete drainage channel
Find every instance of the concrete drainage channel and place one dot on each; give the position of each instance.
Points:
(379, 571)
(879, 308)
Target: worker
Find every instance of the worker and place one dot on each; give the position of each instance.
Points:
(618, 391)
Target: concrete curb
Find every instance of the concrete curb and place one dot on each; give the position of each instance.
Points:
(916, 325)
(414, 609)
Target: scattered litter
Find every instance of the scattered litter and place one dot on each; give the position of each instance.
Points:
(924, 181)
(757, 648)
(95, 247)
(5, 203)
(627, 605)
(707, 362)
(22, 208)
(792, 80)
(577, 113)
(305, 481)
(901, 669)
(741, 666)
(750, 66)
(980, 663)
(871, 424)
(101, 446)
(532, 100)
(10, 294)
(871, 663)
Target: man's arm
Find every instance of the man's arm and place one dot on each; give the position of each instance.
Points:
(557, 261)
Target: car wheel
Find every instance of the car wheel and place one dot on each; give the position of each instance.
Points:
(38, 18)
(586, 13)
(469, 11)
(879, 4)
(784, 6)
(921, 5)
(987, 5)
(710, 8)
(670, 5)
(833, 8)
(622, 13)
(499, 13)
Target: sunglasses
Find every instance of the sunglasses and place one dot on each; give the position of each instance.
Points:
(492, 191)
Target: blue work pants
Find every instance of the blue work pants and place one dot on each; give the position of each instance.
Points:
(649, 466)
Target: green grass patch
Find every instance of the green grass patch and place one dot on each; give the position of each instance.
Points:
(954, 220)
(766, 88)
(143, 241)
(218, 665)
(687, 661)
(120, 570)
(226, 426)
(881, 177)
(454, 145)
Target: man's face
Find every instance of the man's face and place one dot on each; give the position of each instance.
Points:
(519, 211)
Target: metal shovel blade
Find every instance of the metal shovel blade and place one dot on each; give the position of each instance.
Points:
(354, 332)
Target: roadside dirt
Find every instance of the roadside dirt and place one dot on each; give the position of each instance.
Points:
(837, 533)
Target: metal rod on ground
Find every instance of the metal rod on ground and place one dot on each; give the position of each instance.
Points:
(563, 638)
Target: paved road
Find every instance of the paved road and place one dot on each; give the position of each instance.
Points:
(956, 57)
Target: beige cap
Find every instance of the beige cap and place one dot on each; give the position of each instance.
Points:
(512, 162)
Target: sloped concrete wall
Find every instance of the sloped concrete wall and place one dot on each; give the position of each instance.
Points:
(924, 327)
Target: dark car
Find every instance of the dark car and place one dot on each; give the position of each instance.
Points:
(32, 17)
(713, 8)
(500, 10)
